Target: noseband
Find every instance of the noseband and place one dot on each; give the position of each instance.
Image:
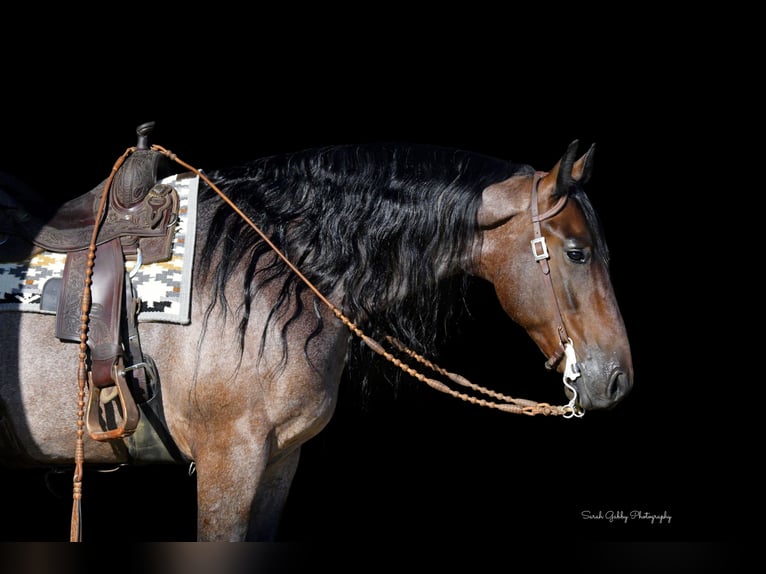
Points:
(541, 255)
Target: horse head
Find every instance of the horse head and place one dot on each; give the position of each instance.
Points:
(543, 250)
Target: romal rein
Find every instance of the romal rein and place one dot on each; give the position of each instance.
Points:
(510, 404)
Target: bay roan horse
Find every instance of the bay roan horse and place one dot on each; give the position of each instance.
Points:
(388, 234)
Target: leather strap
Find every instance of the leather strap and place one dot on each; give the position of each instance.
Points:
(540, 251)
(107, 355)
(105, 312)
(140, 369)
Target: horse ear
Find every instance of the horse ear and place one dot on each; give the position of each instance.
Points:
(582, 168)
(501, 201)
(567, 171)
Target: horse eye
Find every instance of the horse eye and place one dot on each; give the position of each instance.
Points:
(577, 255)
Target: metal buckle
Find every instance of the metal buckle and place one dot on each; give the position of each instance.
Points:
(542, 251)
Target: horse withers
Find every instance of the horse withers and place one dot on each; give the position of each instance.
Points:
(329, 251)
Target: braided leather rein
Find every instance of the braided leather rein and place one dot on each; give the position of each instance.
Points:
(502, 402)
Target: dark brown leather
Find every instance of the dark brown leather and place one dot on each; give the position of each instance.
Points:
(108, 283)
(140, 212)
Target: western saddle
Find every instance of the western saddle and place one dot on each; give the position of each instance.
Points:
(136, 222)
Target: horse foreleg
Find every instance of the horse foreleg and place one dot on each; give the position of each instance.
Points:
(226, 486)
(242, 498)
(271, 497)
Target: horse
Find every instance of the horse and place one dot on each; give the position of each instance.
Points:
(303, 263)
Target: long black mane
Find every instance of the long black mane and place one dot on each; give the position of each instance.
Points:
(380, 224)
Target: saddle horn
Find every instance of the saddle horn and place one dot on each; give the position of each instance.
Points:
(143, 131)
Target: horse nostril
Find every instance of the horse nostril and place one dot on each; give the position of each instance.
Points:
(618, 385)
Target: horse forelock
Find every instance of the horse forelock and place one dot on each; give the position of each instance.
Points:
(594, 223)
(378, 223)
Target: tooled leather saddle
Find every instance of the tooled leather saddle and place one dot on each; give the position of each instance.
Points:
(137, 223)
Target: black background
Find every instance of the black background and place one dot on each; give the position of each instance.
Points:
(418, 467)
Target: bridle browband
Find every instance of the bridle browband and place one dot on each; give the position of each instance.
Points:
(541, 255)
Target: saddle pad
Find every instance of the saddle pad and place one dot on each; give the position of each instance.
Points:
(164, 287)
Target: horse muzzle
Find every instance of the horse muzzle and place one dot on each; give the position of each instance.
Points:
(601, 392)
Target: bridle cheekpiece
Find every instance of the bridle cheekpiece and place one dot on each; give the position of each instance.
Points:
(541, 255)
